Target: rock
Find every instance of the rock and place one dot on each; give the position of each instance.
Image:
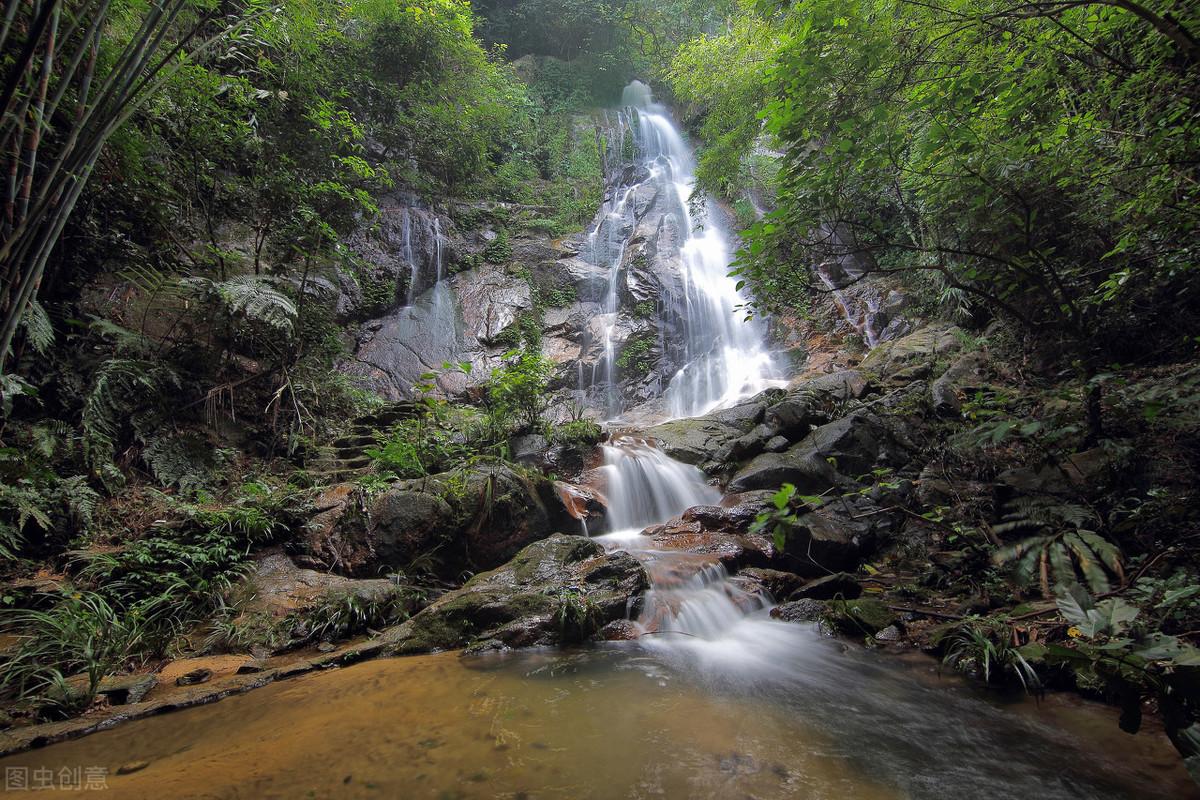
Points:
(800, 611)
(326, 647)
(474, 520)
(529, 448)
(825, 540)
(620, 630)
(1087, 473)
(693, 441)
(406, 523)
(839, 584)
(519, 604)
(862, 616)
(776, 444)
(800, 465)
(889, 634)
(774, 582)
(856, 444)
(125, 689)
(913, 356)
(194, 677)
(278, 587)
(735, 550)
(251, 667)
(335, 538)
(964, 375)
(131, 767)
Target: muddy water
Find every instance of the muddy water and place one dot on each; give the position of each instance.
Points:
(624, 721)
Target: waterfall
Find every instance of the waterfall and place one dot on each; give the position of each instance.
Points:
(645, 487)
(690, 594)
(723, 358)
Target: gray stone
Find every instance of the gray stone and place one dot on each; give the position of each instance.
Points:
(126, 689)
(963, 376)
(799, 611)
(801, 466)
(519, 603)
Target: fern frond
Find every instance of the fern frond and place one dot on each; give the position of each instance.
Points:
(253, 298)
(39, 332)
(119, 387)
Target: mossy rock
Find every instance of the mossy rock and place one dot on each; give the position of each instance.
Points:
(861, 616)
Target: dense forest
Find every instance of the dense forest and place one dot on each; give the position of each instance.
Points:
(327, 325)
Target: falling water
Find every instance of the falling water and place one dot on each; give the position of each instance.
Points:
(724, 358)
(690, 594)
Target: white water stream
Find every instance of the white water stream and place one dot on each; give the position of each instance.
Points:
(724, 357)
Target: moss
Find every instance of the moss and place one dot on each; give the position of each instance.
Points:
(636, 358)
(860, 616)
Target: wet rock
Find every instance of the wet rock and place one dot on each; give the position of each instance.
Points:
(722, 518)
(963, 377)
(125, 689)
(861, 616)
(774, 582)
(913, 356)
(734, 550)
(620, 630)
(839, 584)
(801, 465)
(196, 676)
(693, 441)
(800, 611)
(520, 603)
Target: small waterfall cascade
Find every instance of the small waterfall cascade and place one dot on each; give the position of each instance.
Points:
(421, 248)
(723, 358)
(691, 594)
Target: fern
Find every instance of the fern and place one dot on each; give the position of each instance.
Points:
(125, 342)
(183, 460)
(38, 330)
(119, 388)
(252, 298)
(1058, 546)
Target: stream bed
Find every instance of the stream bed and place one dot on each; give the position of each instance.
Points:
(807, 717)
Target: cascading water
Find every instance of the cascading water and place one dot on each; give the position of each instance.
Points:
(690, 594)
(722, 358)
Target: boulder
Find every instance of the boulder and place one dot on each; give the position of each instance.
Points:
(801, 466)
(963, 376)
(913, 356)
(800, 611)
(825, 540)
(774, 582)
(335, 539)
(406, 523)
(693, 441)
(856, 444)
(861, 616)
(562, 588)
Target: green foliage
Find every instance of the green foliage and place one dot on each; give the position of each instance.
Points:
(1060, 548)
(782, 519)
(499, 250)
(577, 615)
(577, 432)
(1071, 216)
(517, 391)
(80, 633)
(636, 358)
(987, 651)
(342, 613)
(1113, 650)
